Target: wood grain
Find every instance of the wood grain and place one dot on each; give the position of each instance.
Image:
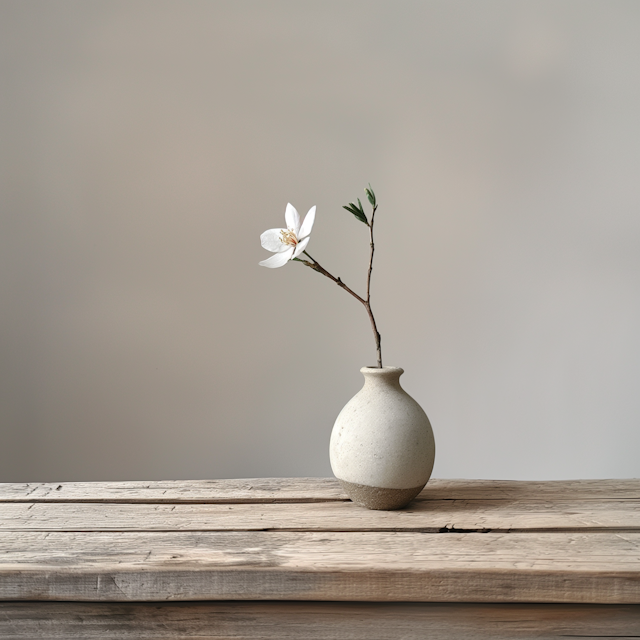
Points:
(423, 516)
(358, 566)
(257, 490)
(251, 490)
(314, 621)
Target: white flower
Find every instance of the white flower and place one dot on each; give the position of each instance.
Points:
(288, 243)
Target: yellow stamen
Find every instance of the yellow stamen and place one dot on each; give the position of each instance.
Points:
(288, 237)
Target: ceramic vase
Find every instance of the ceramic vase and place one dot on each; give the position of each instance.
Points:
(382, 447)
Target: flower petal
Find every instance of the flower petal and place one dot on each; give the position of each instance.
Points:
(271, 240)
(292, 218)
(278, 260)
(307, 225)
(301, 246)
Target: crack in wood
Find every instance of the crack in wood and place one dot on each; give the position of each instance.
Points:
(452, 529)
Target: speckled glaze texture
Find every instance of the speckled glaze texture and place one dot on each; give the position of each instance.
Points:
(382, 448)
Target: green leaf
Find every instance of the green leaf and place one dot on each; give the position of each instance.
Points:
(371, 196)
(358, 213)
(351, 209)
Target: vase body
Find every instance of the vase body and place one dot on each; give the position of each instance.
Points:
(382, 447)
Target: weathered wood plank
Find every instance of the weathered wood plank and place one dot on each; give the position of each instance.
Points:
(358, 566)
(251, 490)
(315, 621)
(422, 516)
(256, 490)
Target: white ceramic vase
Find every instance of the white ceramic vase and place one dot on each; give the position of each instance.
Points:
(382, 448)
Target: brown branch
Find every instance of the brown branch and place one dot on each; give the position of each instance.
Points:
(376, 334)
(373, 215)
(315, 265)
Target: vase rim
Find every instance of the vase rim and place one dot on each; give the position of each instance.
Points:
(377, 371)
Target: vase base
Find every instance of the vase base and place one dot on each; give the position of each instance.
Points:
(378, 498)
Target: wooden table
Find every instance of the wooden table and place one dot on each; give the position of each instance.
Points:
(294, 559)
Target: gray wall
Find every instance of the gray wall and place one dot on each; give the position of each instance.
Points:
(144, 146)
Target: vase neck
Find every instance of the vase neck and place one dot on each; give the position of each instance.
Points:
(382, 377)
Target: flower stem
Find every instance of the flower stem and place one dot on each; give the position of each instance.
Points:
(314, 264)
